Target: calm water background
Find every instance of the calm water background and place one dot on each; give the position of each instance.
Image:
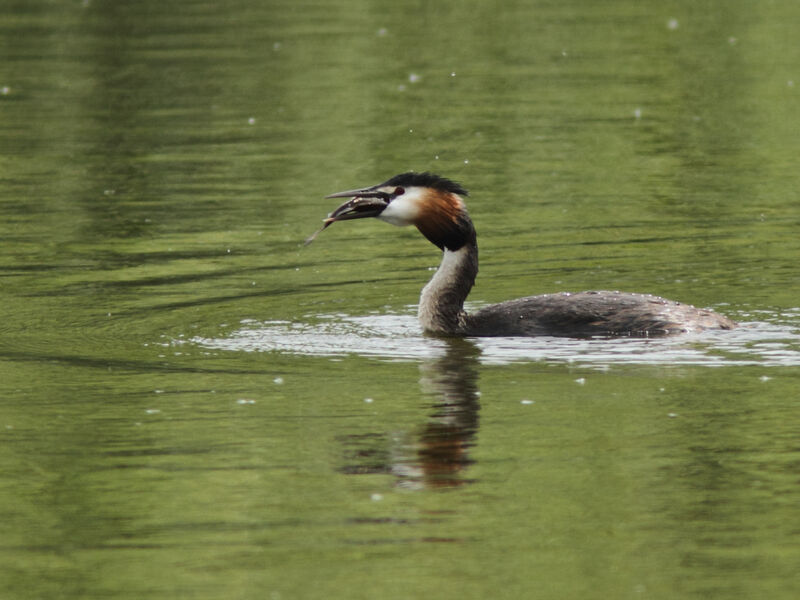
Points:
(192, 405)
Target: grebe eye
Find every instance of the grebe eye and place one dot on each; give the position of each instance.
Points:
(398, 191)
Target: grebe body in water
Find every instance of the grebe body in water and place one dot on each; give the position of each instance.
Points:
(434, 205)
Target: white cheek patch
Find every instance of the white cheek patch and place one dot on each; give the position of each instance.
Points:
(405, 209)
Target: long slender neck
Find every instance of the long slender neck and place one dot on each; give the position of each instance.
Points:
(441, 304)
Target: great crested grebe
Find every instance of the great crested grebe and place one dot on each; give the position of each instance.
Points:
(434, 205)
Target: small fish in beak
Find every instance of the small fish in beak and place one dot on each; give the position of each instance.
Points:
(364, 203)
(314, 235)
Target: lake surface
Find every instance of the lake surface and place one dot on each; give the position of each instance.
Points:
(195, 405)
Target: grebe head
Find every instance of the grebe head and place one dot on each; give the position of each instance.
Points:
(430, 202)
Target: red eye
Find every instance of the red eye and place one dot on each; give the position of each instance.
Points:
(398, 191)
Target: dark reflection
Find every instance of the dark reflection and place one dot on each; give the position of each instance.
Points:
(443, 453)
(439, 454)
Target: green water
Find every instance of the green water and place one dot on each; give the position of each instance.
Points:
(193, 405)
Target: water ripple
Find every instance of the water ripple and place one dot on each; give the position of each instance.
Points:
(772, 341)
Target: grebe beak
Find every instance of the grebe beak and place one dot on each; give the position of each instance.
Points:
(366, 202)
(363, 203)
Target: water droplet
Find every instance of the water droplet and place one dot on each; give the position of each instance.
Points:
(672, 24)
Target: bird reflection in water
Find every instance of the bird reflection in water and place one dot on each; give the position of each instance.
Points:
(443, 452)
(438, 456)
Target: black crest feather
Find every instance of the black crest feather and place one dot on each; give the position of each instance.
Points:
(431, 180)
